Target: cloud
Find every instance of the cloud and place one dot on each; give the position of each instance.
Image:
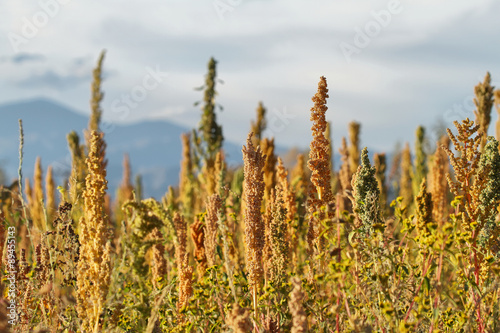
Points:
(51, 79)
(22, 58)
(27, 57)
(67, 75)
(427, 59)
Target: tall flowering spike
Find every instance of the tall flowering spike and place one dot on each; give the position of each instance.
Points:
(97, 95)
(299, 316)
(51, 195)
(186, 176)
(198, 237)
(345, 176)
(38, 197)
(253, 190)
(124, 193)
(497, 106)
(208, 139)
(320, 193)
(278, 237)
(209, 178)
(290, 205)
(354, 130)
(424, 220)
(319, 158)
(95, 106)
(267, 252)
(259, 125)
(126, 186)
(299, 182)
(267, 146)
(214, 206)
(420, 165)
(366, 194)
(170, 199)
(438, 184)
(299, 176)
(181, 235)
(138, 187)
(77, 176)
(210, 131)
(94, 266)
(159, 268)
(220, 170)
(405, 184)
(489, 197)
(484, 100)
(184, 270)
(186, 165)
(380, 162)
(288, 193)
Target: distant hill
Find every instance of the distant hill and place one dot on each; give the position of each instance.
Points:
(154, 147)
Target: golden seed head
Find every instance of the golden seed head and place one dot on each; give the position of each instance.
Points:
(254, 161)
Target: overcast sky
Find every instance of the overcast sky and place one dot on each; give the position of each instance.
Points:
(391, 65)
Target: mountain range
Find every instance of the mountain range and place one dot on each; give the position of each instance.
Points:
(154, 147)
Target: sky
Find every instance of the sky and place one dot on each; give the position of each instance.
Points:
(391, 65)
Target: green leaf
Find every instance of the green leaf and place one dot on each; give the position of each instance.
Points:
(427, 283)
(351, 235)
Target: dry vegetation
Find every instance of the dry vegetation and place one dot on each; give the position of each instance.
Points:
(260, 248)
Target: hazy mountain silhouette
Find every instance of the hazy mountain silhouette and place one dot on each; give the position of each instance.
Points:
(154, 147)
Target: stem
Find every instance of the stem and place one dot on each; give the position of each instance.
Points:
(255, 301)
(337, 317)
(20, 174)
(346, 305)
(424, 273)
(97, 311)
(338, 227)
(438, 278)
(339, 257)
(477, 299)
